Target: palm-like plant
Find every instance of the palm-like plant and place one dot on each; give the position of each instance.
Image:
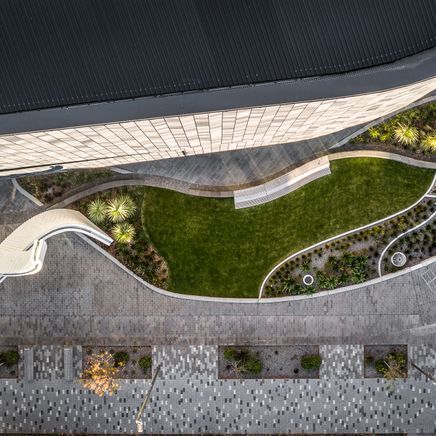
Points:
(405, 134)
(429, 143)
(97, 210)
(373, 133)
(123, 233)
(120, 208)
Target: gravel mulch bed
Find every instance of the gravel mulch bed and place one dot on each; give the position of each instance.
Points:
(131, 369)
(379, 352)
(278, 362)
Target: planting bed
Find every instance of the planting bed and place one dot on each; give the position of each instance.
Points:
(51, 187)
(7, 355)
(353, 258)
(413, 131)
(373, 353)
(140, 255)
(132, 368)
(277, 362)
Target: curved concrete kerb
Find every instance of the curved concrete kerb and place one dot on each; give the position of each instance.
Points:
(430, 218)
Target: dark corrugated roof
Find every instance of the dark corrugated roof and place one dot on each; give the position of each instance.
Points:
(66, 52)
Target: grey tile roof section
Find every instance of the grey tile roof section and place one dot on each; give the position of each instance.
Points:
(68, 52)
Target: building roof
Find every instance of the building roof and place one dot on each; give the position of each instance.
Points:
(66, 52)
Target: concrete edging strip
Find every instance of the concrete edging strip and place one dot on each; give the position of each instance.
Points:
(28, 195)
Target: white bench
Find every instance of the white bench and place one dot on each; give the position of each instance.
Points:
(68, 364)
(282, 185)
(28, 364)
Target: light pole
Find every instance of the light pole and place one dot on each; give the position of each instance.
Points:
(138, 419)
(425, 373)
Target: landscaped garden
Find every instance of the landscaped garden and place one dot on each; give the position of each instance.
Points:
(118, 212)
(204, 246)
(50, 188)
(213, 249)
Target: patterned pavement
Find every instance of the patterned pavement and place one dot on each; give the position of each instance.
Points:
(191, 399)
(341, 361)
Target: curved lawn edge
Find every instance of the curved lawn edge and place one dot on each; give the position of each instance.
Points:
(345, 155)
(265, 280)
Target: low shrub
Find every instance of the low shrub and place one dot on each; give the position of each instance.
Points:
(145, 363)
(243, 362)
(10, 357)
(311, 362)
(380, 366)
(121, 358)
(253, 366)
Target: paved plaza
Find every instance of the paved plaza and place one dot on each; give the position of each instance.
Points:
(82, 297)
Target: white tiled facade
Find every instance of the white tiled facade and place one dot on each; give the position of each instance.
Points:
(161, 138)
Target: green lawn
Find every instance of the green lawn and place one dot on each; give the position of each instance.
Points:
(213, 249)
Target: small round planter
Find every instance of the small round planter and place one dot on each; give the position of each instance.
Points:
(398, 259)
(308, 280)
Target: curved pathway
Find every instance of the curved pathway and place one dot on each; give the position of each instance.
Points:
(190, 189)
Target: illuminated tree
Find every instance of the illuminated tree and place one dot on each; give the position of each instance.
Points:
(99, 374)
